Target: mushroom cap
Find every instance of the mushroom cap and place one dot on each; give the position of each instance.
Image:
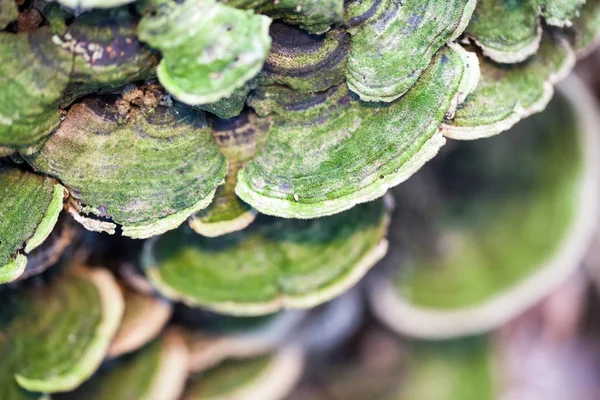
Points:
(107, 53)
(208, 48)
(270, 377)
(55, 336)
(147, 174)
(30, 207)
(315, 16)
(391, 49)
(272, 264)
(505, 233)
(31, 86)
(156, 372)
(257, 336)
(306, 62)
(510, 32)
(506, 94)
(144, 318)
(327, 151)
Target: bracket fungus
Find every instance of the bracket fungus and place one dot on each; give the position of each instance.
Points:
(506, 94)
(239, 139)
(327, 151)
(315, 16)
(148, 173)
(55, 336)
(510, 31)
(269, 377)
(259, 336)
(252, 143)
(144, 318)
(106, 53)
(208, 48)
(394, 45)
(305, 62)
(30, 205)
(272, 264)
(156, 372)
(483, 272)
(31, 86)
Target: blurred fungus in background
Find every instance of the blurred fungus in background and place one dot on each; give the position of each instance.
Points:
(299, 199)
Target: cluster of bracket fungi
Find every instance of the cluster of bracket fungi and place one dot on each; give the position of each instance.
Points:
(260, 147)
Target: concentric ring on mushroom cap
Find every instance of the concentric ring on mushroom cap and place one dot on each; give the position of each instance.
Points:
(207, 348)
(512, 245)
(158, 371)
(107, 53)
(506, 94)
(272, 264)
(56, 336)
(305, 62)
(327, 152)
(31, 86)
(391, 49)
(510, 32)
(30, 207)
(269, 377)
(147, 174)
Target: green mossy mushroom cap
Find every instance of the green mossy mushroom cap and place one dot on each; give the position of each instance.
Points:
(30, 207)
(471, 270)
(327, 151)
(147, 173)
(315, 16)
(506, 94)
(510, 31)
(209, 49)
(268, 377)
(31, 86)
(392, 48)
(272, 264)
(55, 336)
(156, 372)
